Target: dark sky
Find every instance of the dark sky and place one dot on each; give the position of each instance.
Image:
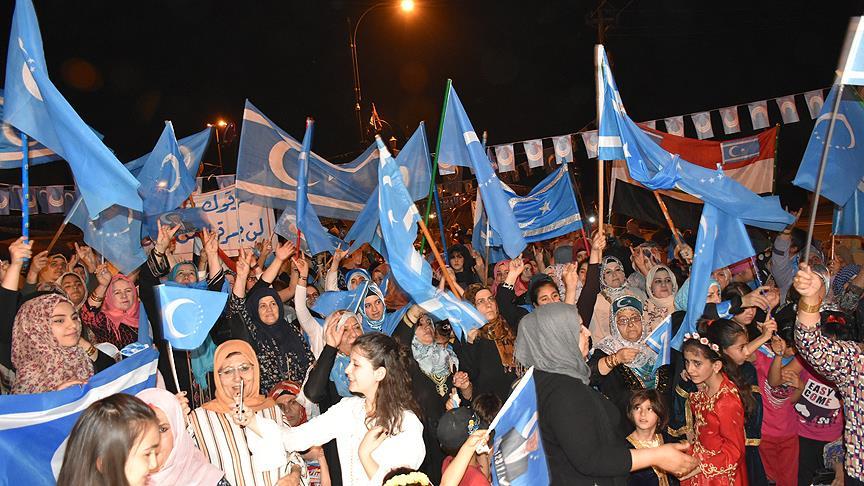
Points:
(522, 69)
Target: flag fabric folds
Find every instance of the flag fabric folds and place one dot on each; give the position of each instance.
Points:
(483, 236)
(165, 181)
(721, 241)
(460, 146)
(43, 421)
(192, 148)
(190, 220)
(518, 458)
(10, 147)
(849, 218)
(188, 314)
(34, 106)
(366, 228)
(318, 238)
(398, 218)
(659, 341)
(843, 168)
(115, 234)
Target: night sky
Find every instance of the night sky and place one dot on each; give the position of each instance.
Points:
(522, 69)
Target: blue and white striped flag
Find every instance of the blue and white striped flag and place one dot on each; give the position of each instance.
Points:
(34, 428)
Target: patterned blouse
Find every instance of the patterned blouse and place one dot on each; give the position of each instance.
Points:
(842, 362)
(97, 323)
(275, 365)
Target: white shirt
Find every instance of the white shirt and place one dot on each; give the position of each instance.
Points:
(345, 422)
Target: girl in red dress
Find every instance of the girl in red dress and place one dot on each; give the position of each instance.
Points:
(718, 417)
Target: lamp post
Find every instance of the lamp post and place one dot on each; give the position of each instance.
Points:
(406, 6)
(219, 125)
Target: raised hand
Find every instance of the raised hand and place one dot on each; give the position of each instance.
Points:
(333, 332)
(103, 275)
(86, 256)
(211, 241)
(19, 251)
(302, 266)
(165, 235)
(570, 276)
(245, 262)
(285, 251)
(807, 283)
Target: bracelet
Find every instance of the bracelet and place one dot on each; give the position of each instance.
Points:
(91, 352)
(507, 286)
(158, 253)
(96, 299)
(809, 308)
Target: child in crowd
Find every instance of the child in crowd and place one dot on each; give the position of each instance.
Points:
(648, 415)
(718, 416)
(781, 388)
(460, 431)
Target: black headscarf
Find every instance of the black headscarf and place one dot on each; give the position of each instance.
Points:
(280, 338)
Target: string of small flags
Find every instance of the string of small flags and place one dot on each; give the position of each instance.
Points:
(705, 124)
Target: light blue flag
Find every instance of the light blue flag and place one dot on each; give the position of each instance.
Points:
(655, 168)
(483, 235)
(415, 153)
(317, 238)
(115, 234)
(518, 458)
(849, 218)
(192, 148)
(460, 146)
(10, 147)
(722, 240)
(165, 181)
(34, 428)
(851, 68)
(188, 314)
(34, 106)
(268, 157)
(659, 340)
(398, 218)
(844, 168)
(50, 199)
(190, 220)
(332, 301)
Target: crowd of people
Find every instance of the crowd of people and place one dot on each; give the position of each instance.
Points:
(768, 388)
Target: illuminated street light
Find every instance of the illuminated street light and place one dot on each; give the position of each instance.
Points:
(406, 6)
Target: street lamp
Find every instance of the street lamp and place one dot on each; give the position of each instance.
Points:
(219, 125)
(406, 6)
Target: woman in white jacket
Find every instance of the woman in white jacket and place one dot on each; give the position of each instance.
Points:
(375, 432)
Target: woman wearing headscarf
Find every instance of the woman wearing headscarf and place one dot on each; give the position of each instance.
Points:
(661, 286)
(489, 359)
(585, 447)
(47, 350)
(75, 288)
(622, 362)
(184, 274)
(179, 460)
(281, 349)
(19, 251)
(111, 311)
(219, 427)
(376, 317)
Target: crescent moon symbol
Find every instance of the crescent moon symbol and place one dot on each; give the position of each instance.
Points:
(187, 156)
(169, 316)
(29, 82)
(277, 166)
(175, 165)
(532, 151)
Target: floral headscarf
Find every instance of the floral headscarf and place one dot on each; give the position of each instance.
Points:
(658, 308)
(42, 364)
(643, 364)
(611, 293)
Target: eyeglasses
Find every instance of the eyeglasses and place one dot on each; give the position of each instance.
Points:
(487, 300)
(425, 321)
(630, 321)
(242, 369)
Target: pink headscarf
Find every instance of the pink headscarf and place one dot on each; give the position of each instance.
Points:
(185, 464)
(116, 316)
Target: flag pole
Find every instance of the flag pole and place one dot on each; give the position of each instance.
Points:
(600, 176)
(25, 188)
(488, 247)
(433, 189)
(668, 217)
(449, 278)
(63, 225)
(822, 161)
(173, 367)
